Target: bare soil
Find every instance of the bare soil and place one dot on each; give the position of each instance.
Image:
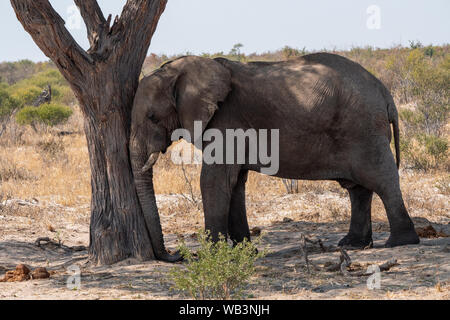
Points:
(423, 271)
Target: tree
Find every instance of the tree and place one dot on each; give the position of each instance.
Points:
(8, 106)
(104, 79)
(236, 50)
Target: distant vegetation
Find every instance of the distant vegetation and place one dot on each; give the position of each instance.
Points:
(21, 83)
(47, 114)
(418, 77)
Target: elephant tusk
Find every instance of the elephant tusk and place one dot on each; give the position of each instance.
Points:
(150, 162)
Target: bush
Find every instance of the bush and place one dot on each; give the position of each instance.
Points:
(424, 152)
(27, 90)
(47, 114)
(7, 103)
(289, 53)
(26, 95)
(217, 271)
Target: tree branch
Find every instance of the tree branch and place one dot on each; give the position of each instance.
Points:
(121, 48)
(137, 24)
(129, 33)
(97, 26)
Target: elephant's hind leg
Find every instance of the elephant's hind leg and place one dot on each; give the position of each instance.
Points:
(360, 233)
(401, 225)
(379, 173)
(237, 220)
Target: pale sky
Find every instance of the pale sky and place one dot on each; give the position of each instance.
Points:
(198, 26)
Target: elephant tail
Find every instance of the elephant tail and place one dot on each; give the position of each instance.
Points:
(393, 119)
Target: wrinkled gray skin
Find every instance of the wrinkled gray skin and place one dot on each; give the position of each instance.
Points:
(335, 124)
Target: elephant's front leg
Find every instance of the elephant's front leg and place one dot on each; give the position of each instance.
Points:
(217, 183)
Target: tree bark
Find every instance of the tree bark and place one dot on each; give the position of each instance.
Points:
(104, 80)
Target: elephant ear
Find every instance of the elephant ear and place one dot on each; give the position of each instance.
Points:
(201, 84)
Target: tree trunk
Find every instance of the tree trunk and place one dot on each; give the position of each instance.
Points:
(117, 230)
(104, 80)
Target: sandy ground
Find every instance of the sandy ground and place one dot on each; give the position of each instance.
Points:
(423, 271)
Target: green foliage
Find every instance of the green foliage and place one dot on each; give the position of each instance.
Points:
(290, 53)
(217, 271)
(423, 78)
(7, 103)
(424, 152)
(12, 72)
(28, 89)
(48, 114)
(435, 146)
(236, 52)
(429, 51)
(415, 44)
(26, 95)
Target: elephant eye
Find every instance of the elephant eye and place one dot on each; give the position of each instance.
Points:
(152, 118)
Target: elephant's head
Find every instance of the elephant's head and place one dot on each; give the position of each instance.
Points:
(175, 96)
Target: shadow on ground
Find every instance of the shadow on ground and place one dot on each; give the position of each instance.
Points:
(423, 270)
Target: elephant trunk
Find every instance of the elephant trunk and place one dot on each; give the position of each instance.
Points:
(146, 193)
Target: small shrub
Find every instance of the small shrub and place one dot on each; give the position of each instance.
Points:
(424, 152)
(289, 53)
(429, 51)
(217, 271)
(415, 44)
(8, 105)
(47, 114)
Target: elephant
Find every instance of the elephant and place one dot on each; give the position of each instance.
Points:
(335, 122)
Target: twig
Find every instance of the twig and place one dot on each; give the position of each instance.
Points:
(388, 265)
(319, 242)
(38, 241)
(192, 197)
(304, 250)
(48, 241)
(345, 262)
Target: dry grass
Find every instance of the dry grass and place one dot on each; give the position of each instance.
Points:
(46, 167)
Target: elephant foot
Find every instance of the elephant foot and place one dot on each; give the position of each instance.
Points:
(170, 258)
(402, 239)
(353, 241)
